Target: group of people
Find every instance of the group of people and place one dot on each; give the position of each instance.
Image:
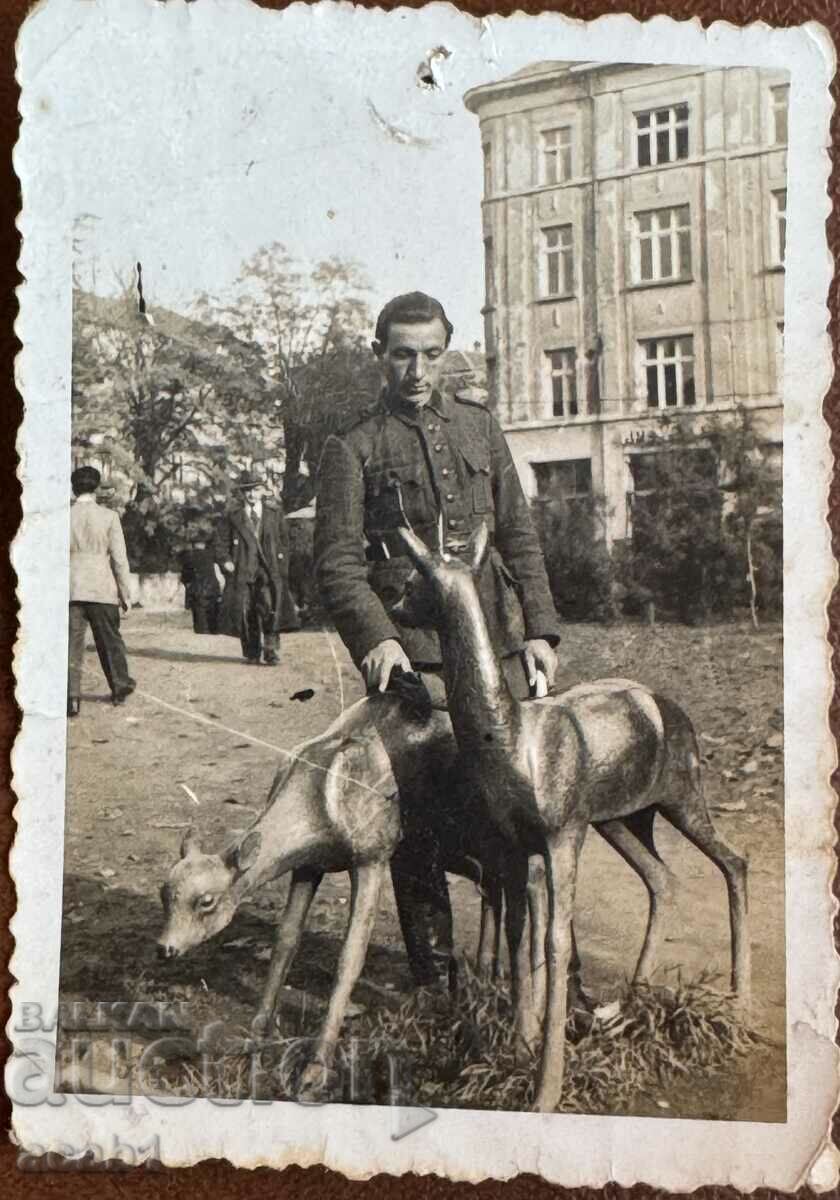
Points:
(250, 552)
(418, 455)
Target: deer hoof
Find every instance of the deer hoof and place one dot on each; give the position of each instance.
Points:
(316, 1084)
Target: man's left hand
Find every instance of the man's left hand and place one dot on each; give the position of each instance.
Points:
(537, 655)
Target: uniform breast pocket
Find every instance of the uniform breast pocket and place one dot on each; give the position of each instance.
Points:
(478, 476)
(394, 495)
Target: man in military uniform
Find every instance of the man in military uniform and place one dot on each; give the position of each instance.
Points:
(442, 464)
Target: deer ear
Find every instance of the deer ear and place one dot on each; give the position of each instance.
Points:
(243, 855)
(418, 551)
(189, 843)
(478, 544)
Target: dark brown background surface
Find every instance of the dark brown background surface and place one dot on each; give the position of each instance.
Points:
(218, 1179)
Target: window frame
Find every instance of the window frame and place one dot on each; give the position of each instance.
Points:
(779, 112)
(565, 255)
(778, 226)
(650, 133)
(562, 152)
(654, 237)
(660, 363)
(566, 374)
(564, 496)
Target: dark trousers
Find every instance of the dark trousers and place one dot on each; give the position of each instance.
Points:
(205, 614)
(258, 636)
(420, 888)
(104, 621)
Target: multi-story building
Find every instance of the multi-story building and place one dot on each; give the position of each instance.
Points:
(634, 233)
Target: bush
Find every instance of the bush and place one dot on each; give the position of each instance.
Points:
(580, 571)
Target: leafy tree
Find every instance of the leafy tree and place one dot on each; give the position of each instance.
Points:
(580, 573)
(701, 501)
(313, 330)
(172, 402)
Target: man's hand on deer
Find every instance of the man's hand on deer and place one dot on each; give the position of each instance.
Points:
(379, 662)
(537, 655)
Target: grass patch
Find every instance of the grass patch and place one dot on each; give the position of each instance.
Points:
(462, 1054)
(466, 1058)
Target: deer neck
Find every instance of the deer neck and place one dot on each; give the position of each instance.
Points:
(287, 842)
(482, 709)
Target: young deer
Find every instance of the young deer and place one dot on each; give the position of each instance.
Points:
(334, 807)
(600, 753)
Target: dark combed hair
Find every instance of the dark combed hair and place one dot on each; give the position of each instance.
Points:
(411, 309)
(85, 479)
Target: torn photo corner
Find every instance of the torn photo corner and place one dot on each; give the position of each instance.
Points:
(423, 575)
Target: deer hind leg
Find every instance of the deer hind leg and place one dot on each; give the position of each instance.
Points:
(632, 838)
(561, 875)
(691, 818)
(366, 884)
(538, 922)
(302, 888)
(491, 927)
(527, 1018)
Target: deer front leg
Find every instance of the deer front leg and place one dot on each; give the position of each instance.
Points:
(561, 874)
(538, 920)
(366, 883)
(527, 1018)
(302, 888)
(491, 926)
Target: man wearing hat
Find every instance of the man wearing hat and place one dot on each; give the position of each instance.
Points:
(252, 549)
(441, 463)
(100, 586)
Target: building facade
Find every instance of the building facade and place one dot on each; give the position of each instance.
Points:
(634, 223)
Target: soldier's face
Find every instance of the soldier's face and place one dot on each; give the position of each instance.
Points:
(412, 360)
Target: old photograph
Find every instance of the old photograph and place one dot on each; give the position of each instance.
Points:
(584, 500)
(429, 581)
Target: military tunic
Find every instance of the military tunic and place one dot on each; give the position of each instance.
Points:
(444, 468)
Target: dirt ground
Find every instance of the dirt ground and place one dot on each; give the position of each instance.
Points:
(140, 774)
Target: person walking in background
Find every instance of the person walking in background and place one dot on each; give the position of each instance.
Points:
(100, 585)
(202, 593)
(252, 548)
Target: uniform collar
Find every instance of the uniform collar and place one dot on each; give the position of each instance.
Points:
(438, 403)
(85, 498)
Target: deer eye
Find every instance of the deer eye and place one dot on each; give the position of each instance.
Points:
(206, 903)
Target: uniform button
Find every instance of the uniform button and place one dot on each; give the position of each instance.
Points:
(438, 446)
(445, 472)
(450, 496)
(433, 428)
(452, 523)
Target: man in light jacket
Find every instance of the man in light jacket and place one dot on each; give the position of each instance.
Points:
(99, 587)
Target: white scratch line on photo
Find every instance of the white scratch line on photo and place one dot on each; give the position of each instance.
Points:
(337, 671)
(250, 738)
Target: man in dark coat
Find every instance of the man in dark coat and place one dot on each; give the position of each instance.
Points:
(202, 593)
(252, 548)
(443, 464)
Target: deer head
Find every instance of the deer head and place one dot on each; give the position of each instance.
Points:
(437, 576)
(201, 894)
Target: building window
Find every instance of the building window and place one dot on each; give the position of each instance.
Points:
(663, 244)
(558, 264)
(780, 355)
(489, 273)
(779, 102)
(487, 151)
(570, 480)
(563, 372)
(662, 135)
(669, 372)
(779, 227)
(556, 155)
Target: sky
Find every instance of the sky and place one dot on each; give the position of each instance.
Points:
(195, 162)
